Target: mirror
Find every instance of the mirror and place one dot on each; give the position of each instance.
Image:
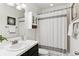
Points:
(76, 30)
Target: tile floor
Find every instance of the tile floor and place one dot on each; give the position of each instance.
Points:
(54, 53)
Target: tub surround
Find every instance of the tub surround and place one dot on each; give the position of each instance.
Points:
(29, 46)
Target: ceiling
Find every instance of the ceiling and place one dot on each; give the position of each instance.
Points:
(45, 5)
(40, 6)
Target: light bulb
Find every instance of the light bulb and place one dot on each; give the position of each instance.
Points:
(23, 6)
(18, 7)
(51, 4)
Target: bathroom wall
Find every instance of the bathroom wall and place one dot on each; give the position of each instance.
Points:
(5, 11)
(27, 33)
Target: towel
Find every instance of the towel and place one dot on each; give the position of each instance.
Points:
(70, 30)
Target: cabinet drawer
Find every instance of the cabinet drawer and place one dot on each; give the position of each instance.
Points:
(35, 53)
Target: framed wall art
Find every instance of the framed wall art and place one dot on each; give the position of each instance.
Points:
(11, 20)
(74, 11)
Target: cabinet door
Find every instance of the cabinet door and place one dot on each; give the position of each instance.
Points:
(34, 20)
(31, 52)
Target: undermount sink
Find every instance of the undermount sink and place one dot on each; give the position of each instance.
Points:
(17, 46)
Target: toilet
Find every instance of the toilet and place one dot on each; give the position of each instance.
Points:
(43, 52)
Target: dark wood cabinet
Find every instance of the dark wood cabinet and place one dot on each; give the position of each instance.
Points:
(31, 52)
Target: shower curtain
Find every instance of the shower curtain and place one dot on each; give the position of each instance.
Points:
(53, 32)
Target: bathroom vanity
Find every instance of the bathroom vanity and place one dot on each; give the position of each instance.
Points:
(27, 48)
(31, 52)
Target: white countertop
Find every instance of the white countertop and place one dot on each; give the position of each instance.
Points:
(5, 52)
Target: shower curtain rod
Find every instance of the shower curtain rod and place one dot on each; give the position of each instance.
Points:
(63, 15)
(54, 11)
(20, 17)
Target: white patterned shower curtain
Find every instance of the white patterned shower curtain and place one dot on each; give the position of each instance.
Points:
(53, 32)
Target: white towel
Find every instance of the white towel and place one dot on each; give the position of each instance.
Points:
(70, 30)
